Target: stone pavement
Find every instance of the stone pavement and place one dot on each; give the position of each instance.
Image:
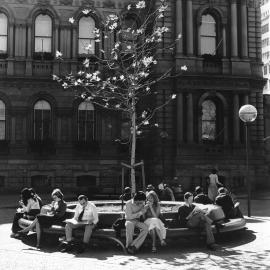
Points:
(249, 249)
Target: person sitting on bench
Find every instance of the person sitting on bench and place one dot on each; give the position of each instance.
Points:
(201, 197)
(135, 208)
(192, 217)
(225, 201)
(86, 216)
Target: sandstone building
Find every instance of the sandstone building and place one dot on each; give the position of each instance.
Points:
(48, 138)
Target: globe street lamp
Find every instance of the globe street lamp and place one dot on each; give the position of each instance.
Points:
(247, 114)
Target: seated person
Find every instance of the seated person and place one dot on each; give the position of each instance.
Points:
(153, 221)
(28, 209)
(201, 197)
(135, 209)
(126, 195)
(85, 216)
(192, 217)
(55, 214)
(150, 187)
(224, 200)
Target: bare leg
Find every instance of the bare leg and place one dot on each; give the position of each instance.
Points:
(30, 227)
(38, 231)
(153, 235)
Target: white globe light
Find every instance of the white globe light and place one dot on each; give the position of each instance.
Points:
(248, 113)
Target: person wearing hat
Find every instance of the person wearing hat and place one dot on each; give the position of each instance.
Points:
(201, 197)
(126, 195)
(191, 216)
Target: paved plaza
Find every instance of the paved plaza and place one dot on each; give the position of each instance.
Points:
(249, 249)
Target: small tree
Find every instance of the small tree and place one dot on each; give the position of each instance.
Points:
(124, 74)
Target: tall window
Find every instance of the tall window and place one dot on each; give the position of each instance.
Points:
(43, 33)
(42, 120)
(2, 120)
(86, 122)
(129, 39)
(208, 35)
(208, 120)
(86, 42)
(3, 33)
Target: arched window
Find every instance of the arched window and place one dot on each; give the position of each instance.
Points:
(3, 33)
(129, 37)
(208, 35)
(86, 42)
(42, 120)
(208, 120)
(2, 120)
(43, 33)
(86, 122)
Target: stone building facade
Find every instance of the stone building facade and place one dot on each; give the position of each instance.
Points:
(49, 138)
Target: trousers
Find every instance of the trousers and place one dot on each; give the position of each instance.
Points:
(199, 220)
(87, 231)
(130, 226)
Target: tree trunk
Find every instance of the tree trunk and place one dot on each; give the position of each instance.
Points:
(133, 149)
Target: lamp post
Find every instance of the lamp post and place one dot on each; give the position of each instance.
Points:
(247, 114)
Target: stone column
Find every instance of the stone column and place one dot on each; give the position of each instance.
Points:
(28, 63)
(225, 137)
(179, 119)
(74, 43)
(199, 38)
(246, 99)
(10, 62)
(189, 28)
(234, 44)
(190, 118)
(244, 41)
(179, 27)
(224, 43)
(236, 118)
(56, 38)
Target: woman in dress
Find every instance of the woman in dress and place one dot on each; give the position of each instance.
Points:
(54, 214)
(155, 225)
(212, 185)
(28, 209)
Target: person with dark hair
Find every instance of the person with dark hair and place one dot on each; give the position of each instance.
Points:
(135, 209)
(154, 223)
(55, 214)
(126, 195)
(167, 193)
(29, 208)
(201, 197)
(36, 196)
(225, 201)
(192, 217)
(85, 216)
(213, 185)
(150, 187)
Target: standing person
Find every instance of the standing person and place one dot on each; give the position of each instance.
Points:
(86, 216)
(212, 187)
(201, 197)
(168, 193)
(135, 209)
(192, 217)
(55, 215)
(29, 208)
(155, 225)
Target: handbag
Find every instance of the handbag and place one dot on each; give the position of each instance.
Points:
(118, 225)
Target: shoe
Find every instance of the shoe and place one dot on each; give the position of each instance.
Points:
(212, 246)
(131, 250)
(154, 250)
(219, 225)
(15, 235)
(81, 248)
(68, 247)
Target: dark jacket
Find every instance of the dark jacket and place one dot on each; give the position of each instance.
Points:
(202, 198)
(226, 202)
(59, 211)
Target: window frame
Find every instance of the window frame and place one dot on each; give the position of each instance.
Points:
(5, 35)
(5, 120)
(42, 138)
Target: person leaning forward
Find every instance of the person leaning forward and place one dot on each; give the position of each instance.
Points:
(135, 208)
(86, 215)
(192, 217)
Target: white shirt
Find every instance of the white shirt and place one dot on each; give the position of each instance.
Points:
(90, 212)
(31, 205)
